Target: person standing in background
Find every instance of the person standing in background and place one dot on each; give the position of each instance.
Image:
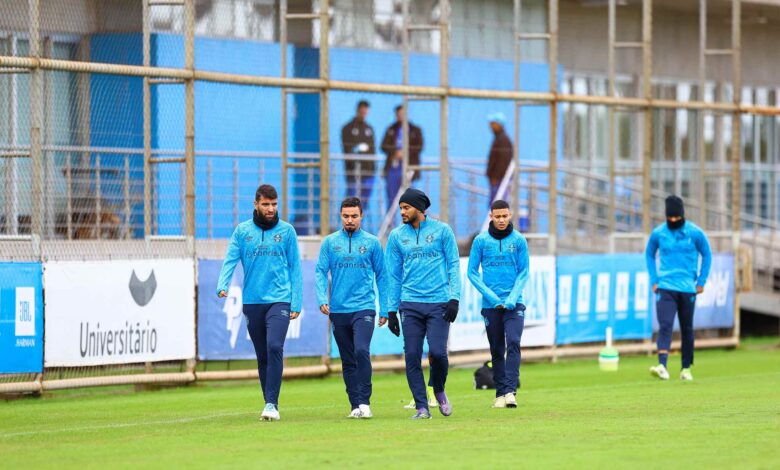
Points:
(500, 155)
(357, 139)
(392, 146)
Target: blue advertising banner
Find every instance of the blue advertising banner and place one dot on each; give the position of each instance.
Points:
(600, 291)
(715, 306)
(21, 318)
(222, 332)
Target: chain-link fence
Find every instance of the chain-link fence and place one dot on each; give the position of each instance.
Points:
(137, 129)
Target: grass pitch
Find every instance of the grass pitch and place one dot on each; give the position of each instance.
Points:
(570, 415)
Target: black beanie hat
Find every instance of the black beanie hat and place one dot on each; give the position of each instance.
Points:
(416, 198)
(674, 207)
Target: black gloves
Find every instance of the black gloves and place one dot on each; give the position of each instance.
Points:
(392, 323)
(521, 307)
(452, 310)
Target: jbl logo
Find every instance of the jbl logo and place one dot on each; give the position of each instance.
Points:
(25, 311)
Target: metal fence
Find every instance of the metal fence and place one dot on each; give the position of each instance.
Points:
(120, 127)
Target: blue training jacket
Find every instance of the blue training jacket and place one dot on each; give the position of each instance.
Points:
(504, 269)
(680, 249)
(422, 264)
(356, 264)
(272, 264)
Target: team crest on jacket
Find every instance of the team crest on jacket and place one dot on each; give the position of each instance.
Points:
(429, 238)
(278, 237)
(511, 248)
(362, 249)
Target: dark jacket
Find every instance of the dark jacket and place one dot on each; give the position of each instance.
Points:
(354, 133)
(415, 145)
(500, 156)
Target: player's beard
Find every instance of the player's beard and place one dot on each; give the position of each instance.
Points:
(412, 218)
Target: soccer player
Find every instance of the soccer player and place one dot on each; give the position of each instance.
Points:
(503, 254)
(268, 250)
(423, 269)
(678, 282)
(355, 261)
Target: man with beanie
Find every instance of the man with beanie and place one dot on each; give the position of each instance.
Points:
(423, 286)
(503, 254)
(677, 281)
(273, 286)
(355, 261)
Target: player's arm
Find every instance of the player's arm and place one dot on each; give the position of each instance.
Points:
(650, 252)
(521, 280)
(296, 275)
(232, 256)
(393, 271)
(703, 245)
(321, 277)
(346, 139)
(452, 258)
(378, 263)
(475, 259)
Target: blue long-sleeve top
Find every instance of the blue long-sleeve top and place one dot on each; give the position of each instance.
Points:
(679, 257)
(505, 265)
(271, 261)
(422, 264)
(356, 264)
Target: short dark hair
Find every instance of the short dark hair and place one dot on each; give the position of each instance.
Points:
(352, 202)
(499, 204)
(363, 104)
(266, 191)
(399, 107)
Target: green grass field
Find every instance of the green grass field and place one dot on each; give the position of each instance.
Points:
(570, 415)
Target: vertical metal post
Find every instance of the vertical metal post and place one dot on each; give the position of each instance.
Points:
(235, 192)
(10, 180)
(283, 55)
(553, 61)
(736, 134)
(612, 37)
(98, 197)
(324, 128)
(701, 147)
(36, 112)
(406, 181)
(647, 73)
(444, 164)
(189, 117)
(47, 158)
(516, 150)
(126, 194)
(147, 104)
(69, 195)
(210, 198)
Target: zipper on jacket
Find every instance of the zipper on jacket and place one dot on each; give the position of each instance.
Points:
(263, 239)
(500, 249)
(418, 235)
(350, 243)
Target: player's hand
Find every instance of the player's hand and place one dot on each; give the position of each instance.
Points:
(382, 321)
(452, 310)
(500, 307)
(392, 323)
(655, 288)
(699, 289)
(325, 309)
(222, 294)
(294, 315)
